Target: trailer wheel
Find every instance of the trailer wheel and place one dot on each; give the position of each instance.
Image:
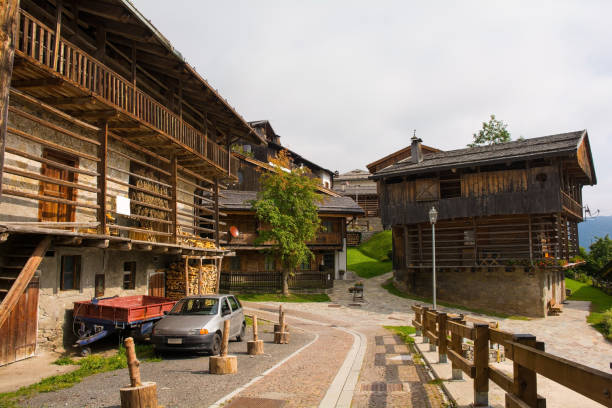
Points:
(85, 351)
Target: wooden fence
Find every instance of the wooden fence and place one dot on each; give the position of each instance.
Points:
(448, 333)
(271, 281)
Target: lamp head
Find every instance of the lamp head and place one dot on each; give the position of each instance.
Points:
(433, 215)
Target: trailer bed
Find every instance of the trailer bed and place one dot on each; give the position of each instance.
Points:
(125, 309)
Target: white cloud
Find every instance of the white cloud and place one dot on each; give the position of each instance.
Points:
(345, 82)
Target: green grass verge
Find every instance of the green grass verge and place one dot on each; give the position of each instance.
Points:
(87, 366)
(600, 302)
(292, 298)
(403, 331)
(390, 287)
(377, 247)
(365, 266)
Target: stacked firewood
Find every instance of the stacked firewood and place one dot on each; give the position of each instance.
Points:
(175, 280)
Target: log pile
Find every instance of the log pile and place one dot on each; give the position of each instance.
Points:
(175, 280)
(189, 239)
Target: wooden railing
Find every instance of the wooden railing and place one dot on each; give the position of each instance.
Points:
(571, 205)
(38, 42)
(271, 281)
(527, 354)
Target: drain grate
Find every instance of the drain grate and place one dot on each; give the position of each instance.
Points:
(382, 387)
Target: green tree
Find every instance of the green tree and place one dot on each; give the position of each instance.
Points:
(286, 206)
(599, 255)
(492, 132)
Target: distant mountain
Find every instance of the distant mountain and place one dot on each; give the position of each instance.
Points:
(594, 227)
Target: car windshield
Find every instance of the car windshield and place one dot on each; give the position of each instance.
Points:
(197, 306)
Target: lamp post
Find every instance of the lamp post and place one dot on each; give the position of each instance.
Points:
(433, 217)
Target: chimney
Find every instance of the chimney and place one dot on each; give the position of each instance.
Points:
(415, 149)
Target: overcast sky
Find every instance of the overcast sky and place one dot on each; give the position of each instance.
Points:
(344, 82)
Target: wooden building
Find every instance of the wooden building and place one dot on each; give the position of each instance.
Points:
(252, 268)
(116, 150)
(507, 222)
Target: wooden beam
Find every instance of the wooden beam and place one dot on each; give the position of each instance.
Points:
(9, 19)
(70, 241)
(96, 243)
(69, 101)
(37, 83)
(121, 246)
(105, 10)
(58, 31)
(23, 280)
(102, 178)
(143, 247)
(174, 201)
(216, 211)
(161, 250)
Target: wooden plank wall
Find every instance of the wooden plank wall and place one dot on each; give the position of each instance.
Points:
(18, 333)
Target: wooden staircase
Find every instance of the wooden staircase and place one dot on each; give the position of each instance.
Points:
(20, 257)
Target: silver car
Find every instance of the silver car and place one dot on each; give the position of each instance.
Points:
(196, 323)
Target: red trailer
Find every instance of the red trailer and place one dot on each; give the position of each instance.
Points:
(98, 318)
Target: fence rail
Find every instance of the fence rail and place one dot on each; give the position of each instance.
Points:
(38, 42)
(271, 281)
(528, 356)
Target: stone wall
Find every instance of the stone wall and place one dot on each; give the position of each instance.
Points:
(515, 291)
(55, 305)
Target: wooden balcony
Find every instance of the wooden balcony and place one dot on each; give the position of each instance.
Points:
(62, 75)
(570, 205)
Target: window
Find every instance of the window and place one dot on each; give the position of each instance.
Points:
(99, 286)
(225, 309)
(270, 263)
(129, 275)
(70, 278)
(233, 303)
(329, 261)
(235, 264)
(306, 265)
(469, 237)
(327, 226)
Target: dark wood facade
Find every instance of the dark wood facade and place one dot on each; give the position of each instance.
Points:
(500, 208)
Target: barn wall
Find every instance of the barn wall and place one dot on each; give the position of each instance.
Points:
(494, 289)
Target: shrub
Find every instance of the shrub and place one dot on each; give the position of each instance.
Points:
(606, 322)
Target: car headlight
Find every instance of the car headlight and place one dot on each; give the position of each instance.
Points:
(198, 331)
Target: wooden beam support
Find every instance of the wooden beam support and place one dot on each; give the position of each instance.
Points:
(102, 179)
(121, 246)
(69, 101)
(37, 83)
(24, 278)
(143, 247)
(59, 7)
(174, 200)
(216, 195)
(9, 19)
(96, 243)
(70, 241)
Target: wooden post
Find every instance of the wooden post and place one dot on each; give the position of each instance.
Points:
(9, 19)
(525, 380)
(102, 182)
(138, 394)
(174, 182)
(481, 363)
(418, 316)
(424, 323)
(281, 336)
(456, 346)
(442, 346)
(216, 211)
(256, 346)
(186, 276)
(223, 364)
(431, 321)
(59, 7)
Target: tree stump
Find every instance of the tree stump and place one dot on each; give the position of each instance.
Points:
(277, 328)
(256, 346)
(281, 337)
(141, 396)
(223, 364)
(137, 395)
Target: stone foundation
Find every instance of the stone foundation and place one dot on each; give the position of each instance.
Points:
(513, 290)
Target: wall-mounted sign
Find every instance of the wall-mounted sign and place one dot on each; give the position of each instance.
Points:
(123, 205)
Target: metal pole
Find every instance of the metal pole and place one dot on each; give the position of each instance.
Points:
(433, 263)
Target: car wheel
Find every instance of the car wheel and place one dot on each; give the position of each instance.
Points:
(216, 345)
(242, 334)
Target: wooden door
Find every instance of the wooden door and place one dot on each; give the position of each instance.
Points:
(157, 284)
(53, 211)
(18, 332)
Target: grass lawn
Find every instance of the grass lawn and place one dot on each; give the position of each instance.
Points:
(277, 297)
(87, 366)
(371, 258)
(394, 291)
(600, 302)
(403, 331)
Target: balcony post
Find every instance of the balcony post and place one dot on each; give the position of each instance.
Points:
(102, 166)
(9, 18)
(217, 212)
(174, 207)
(58, 32)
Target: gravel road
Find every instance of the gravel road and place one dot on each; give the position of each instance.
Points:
(182, 380)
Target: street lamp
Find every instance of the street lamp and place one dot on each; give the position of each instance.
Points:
(433, 217)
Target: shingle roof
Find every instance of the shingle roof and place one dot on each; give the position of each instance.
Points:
(536, 147)
(239, 201)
